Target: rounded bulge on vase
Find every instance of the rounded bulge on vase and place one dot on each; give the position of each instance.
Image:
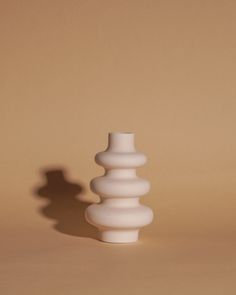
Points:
(109, 160)
(118, 224)
(119, 187)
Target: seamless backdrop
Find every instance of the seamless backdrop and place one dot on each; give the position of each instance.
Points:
(72, 71)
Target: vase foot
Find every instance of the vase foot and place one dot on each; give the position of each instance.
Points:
(119, 236)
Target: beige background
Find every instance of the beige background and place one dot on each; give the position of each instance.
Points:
(71, 71)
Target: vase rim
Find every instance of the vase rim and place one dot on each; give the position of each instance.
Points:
(121, 133)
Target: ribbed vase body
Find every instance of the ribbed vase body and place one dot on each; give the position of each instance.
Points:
(119, 215)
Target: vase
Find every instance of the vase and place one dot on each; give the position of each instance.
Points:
(119, 215)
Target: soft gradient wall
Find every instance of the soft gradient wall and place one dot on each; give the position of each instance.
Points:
(72, 71)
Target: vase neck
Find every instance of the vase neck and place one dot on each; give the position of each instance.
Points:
(121, 142)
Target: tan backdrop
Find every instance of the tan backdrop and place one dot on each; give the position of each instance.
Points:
(72, 71)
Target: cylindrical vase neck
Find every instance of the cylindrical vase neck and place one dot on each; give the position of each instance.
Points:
(121, 142)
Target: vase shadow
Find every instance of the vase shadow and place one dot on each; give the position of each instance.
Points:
(64, 206)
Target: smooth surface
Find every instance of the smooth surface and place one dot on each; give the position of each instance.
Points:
(71, 71)
(119, 216)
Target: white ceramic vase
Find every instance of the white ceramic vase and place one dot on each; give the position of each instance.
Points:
(119, 215)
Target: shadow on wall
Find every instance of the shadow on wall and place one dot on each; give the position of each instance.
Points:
(64, 205)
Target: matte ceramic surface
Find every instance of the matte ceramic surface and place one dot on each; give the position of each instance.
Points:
(119, 215)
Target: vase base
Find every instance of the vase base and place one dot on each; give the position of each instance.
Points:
(119, 236)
